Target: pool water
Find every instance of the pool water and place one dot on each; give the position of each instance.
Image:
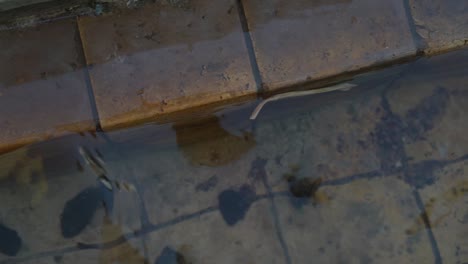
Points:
(375, 174)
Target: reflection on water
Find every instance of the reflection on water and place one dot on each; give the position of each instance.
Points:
(373, 175)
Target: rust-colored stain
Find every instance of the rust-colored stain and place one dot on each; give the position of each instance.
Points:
(211, 145)
(27, 171)
(449, 197)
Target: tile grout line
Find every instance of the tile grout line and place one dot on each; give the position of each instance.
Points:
(144, 219)
(89, 85)
(250, 48)
(427, 223)
(432, 240)
(274, 211)
(148, 230)
(113, 243)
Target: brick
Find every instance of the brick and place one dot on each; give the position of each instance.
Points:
(165, 58)
(442, 24)
(43, 90)
(302, 41)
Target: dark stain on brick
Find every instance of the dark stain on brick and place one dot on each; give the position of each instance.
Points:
(234, 204)
(421, 118)
(170, 256)
(78, 211)
(207, 185)
(10, 241)
(422, 174)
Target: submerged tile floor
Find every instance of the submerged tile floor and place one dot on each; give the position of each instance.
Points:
(373, 175)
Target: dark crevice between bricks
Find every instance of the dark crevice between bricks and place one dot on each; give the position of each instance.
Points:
(419, 42)
(89, 86)
(250, 48)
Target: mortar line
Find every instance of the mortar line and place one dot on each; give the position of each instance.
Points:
(89, 85)
(418, 41)
(427, 224)
(250, 48)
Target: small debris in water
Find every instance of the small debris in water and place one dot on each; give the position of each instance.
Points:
(128, 187)
(234, 205)
(78, 212)
(96, 163)
(170, 256)
(305, 187)
(10, 242)
(340, 87)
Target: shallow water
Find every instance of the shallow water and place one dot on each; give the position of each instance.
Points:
(371, 175)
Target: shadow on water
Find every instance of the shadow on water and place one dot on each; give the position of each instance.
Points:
(305, 150)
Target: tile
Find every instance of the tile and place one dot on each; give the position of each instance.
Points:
(207, 239)
(41, 76)
(442, 24)
(334, 137)
(445, 202)
(432, 101)
(302, 41)
(52, 211)
(165, 58)
(361, 222)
